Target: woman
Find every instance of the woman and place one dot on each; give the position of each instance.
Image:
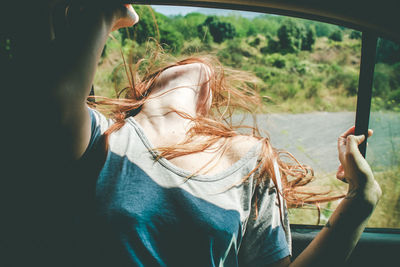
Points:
(175, 188)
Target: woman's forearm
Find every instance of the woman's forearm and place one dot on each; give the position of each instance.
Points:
(76, 54)
(333, 245)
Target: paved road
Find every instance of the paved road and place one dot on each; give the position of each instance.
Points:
(312, 137)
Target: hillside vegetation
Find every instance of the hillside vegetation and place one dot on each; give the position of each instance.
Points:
(303, 66)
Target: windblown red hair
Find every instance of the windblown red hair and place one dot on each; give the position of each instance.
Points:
(233, 91)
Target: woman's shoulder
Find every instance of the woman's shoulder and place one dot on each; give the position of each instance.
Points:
(99, 118)
(240, 145)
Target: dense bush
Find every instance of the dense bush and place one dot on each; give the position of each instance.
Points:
(255, 42)
(272, 47)
(276, 60)
(288, 91)
(290, 37)
(355, 35)
(188, 24)
(346, 80)
(336, 36)
(386, 84)
(194, 46)
(388, 51)
(204, 34)
(381, 85)
(234, 52)
(263, 72)
(324, 29)
(308, 40)
(266, 24)
(171, 38)
(219, 30)
(313, 90)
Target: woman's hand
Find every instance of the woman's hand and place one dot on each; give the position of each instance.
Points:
(354, 169)
(116, 15)
(335, 242)
(125, 17)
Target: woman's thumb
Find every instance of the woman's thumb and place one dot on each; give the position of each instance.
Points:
(359, 138)
(353, 141)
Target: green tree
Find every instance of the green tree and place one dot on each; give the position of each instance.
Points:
(255, 42)
(387, 51)
(355, 35)
(172, 38)
(243, 26)
(337, 36)
(272, 47)
(251, 30)
(381, 83)
(387, 84)
(308, 40)
(323, 29)
(266, 24)
(219, 30)
(290, 36)
(204, 34)
(188, 25)
(147, 28)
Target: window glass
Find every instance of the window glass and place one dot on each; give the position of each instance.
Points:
(308, 74)
(383, 152)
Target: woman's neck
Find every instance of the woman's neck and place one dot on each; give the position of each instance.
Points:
(170, 100)
(161, 119)
(173, 101)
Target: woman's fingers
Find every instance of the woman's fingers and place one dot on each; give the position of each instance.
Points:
(353, 141)
(342, 143)
(340, 174)
(348, 131)
(131, 14)
(349, 154)
(351, 130)
(128, 18)
(342, 138)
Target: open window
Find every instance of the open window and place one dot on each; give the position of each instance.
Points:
(383, 150)
(310, 73)
(316, 88)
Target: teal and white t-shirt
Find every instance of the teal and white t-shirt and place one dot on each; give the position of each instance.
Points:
(160, 218)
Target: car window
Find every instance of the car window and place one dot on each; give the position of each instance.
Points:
(383, 152)
(308, 73)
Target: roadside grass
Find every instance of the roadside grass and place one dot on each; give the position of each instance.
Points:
(328, 185)
(386, 214)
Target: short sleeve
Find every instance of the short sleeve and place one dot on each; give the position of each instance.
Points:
(99, 124)
(267, 234)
